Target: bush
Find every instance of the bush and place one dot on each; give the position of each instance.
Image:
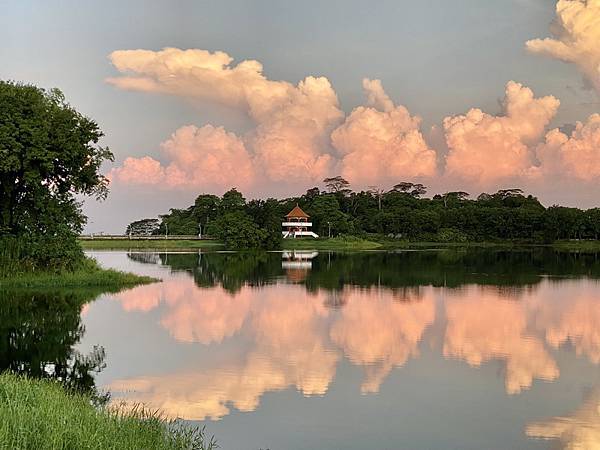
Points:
(48, 253)
(451, 235)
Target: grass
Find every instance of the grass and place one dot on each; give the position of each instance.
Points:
(40, 414)
(90, 274)
(336, 243)
(155, 244)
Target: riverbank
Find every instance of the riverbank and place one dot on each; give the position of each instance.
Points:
(153, 244)
(90, 274)
(41, 414)
(337, 243)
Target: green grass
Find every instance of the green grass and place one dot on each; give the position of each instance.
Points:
(36, 414)
(337, 243)
(90, 274)
(155, 244)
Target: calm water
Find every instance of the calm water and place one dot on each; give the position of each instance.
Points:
(432, 350)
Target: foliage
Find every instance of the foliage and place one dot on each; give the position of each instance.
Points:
(143, 227)
(400, 213)
(39, 414)
(237, 230)
(453, 267)
(49, 154)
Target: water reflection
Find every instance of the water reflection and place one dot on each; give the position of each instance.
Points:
(579, 430)
(274, 322)
(484, 325)
(38, 335)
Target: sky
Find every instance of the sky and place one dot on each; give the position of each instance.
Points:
(273, 96)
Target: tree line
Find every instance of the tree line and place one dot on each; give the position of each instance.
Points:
(403, 212)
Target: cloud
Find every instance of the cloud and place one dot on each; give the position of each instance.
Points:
(293, 122)
(485, 149)
(299, 134)
(576, 156)
(382, 142)
(577, 37)
(206, 157)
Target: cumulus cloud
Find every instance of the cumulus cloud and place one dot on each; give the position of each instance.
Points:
(576, 40)
(198, 158)
(575, 156)
(300, 135)
(293, 122)
(486, 148)
(382, 142)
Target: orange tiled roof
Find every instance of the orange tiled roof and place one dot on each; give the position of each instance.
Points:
(297, 213)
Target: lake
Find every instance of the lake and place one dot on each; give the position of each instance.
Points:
(437, 349)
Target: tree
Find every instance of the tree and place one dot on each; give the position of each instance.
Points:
(206, 208)
(337, 184)
(143, 227)
(49, 154)
(237, 230)
(457, 196)
(413, 189)
(232, 201)
(505, 193)
(377, 192)
(267, 215)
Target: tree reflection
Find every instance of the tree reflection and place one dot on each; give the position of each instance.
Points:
(514, 270)
(38, 333)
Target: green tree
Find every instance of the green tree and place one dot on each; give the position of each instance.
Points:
(142, 227)
(232, 201)
(237, 230)
(49, 154)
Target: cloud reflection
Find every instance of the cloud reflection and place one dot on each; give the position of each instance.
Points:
(484, 325)
(580, 430)
(287, 337)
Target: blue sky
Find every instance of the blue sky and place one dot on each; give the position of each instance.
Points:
(435, 57)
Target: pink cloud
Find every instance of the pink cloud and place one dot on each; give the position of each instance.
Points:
(485, 149)
(198, 158)
(575, 156)
(292, 122)
(300, 135)
(382, 142)
(577, 37)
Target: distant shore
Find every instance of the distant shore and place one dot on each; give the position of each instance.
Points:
(338, 243)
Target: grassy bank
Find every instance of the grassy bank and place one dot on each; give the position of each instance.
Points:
(40, 414)
(155, 244)
(89, 274)
(337, 243)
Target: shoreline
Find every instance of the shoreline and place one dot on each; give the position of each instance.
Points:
(348, 243)
(90, 275)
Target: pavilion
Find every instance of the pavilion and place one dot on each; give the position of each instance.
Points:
(296, 224)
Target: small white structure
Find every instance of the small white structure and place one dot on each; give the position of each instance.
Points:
(297, 225)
